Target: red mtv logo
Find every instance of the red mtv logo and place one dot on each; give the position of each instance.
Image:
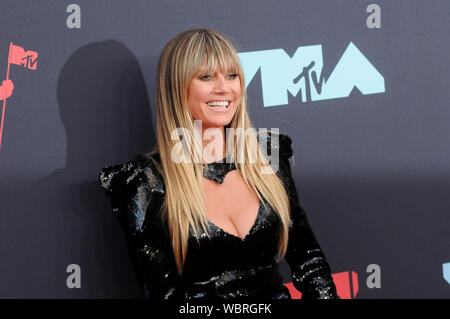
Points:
(27, 59)
(17, 55)
(346, 285)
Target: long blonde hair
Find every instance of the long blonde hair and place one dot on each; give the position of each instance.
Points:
(184, 205)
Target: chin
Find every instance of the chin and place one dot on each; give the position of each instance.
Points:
(217, 124)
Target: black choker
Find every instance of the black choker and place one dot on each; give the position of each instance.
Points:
(217, 170)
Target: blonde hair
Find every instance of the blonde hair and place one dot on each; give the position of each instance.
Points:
(184, 205)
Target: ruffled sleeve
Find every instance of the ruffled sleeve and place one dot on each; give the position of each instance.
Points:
(311, 273)
(115, 180)
(136, 190)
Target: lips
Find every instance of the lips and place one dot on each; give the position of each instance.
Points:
(219, 105)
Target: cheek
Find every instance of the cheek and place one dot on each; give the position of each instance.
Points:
(237, 93)
(198, 92)
(237, 89)
(194, 101)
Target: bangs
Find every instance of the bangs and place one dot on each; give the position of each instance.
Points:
(216, 53)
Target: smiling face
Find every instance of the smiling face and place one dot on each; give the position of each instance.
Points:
(213, 98)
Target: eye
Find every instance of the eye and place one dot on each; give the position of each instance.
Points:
(205, 77)
(233, 75)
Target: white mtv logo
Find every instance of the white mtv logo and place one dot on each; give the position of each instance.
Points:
(302, 72)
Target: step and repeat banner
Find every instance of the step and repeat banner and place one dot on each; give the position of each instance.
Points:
(361, 87)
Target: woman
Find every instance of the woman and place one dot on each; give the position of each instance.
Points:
(201, 225)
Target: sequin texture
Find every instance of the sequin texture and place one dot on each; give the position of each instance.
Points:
(217, 170)
(220, 265)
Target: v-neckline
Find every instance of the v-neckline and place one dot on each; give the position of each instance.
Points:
(249, 231)
(217, 172)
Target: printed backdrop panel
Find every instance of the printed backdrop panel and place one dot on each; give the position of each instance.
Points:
(361, 87)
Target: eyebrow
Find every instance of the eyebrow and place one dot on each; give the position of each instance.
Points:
(231, 70)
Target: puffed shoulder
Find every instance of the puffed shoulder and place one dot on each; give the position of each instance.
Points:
(141, 169)
(286, 145)
(276, 140)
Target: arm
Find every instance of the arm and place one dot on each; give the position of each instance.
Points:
(311, 273)
(136, 191)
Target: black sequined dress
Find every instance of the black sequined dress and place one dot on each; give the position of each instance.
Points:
(224, 265)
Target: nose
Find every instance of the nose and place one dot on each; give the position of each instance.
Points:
(220, 83)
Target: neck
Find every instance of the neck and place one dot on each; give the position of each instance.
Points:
(214, 144)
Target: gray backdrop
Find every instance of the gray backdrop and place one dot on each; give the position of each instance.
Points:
(372, 169)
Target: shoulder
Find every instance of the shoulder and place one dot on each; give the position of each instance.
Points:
(276, 142)
(134, 187)
(140, 171)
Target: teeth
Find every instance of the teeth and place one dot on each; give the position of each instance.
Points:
(218, 103)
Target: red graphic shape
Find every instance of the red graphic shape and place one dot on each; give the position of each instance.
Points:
(16, 55)
(6, 89)
(346, 285)
(24, 58)
(295, 294)
(355, 283)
